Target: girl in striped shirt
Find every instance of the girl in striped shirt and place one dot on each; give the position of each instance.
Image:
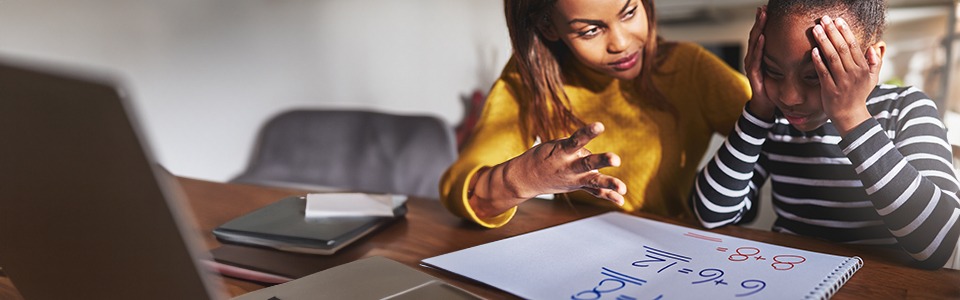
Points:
(849, 161)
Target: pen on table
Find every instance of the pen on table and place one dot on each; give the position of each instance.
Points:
(238, 272)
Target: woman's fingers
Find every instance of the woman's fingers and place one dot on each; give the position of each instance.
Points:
(584, 166)
(601, 181)
(612, 196)
(581, 137)
(604, 186)
(595, 162)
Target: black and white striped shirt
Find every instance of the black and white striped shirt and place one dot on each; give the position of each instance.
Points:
(889, 182)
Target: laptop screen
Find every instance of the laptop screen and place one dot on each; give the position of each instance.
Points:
(83, 212)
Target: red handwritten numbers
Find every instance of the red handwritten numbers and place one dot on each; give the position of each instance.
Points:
(782, 262)
(790, 260)
(740, 256)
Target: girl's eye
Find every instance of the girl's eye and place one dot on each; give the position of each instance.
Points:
(630, 13)
(813, 80)
(770, 73)
(589, 32)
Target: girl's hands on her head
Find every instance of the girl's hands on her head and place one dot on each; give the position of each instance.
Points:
(760, 104)
(564, 165)
(846, 76)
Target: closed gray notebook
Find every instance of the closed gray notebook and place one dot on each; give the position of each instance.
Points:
(282, 226)
(374, 277)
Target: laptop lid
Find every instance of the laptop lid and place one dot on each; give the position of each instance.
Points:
(84, 212)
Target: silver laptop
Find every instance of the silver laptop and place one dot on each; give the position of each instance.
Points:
(86, 214)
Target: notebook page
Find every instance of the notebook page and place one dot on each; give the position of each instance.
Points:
(618, 256)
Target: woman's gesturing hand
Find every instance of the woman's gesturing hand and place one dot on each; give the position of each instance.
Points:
(557, 166)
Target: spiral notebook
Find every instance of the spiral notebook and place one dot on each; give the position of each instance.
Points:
(619, 256)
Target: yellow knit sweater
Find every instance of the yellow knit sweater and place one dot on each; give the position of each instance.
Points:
(660, 150)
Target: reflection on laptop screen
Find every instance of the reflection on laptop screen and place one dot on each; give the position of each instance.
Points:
(83, 214)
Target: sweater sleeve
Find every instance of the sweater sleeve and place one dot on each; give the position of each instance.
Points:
(910, 178)
(495, 139)
(723, 91)
(726, 190)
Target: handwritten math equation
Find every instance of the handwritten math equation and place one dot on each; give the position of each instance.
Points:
(659, 264)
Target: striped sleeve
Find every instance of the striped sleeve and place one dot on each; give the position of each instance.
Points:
(726, 190)
(910, 178)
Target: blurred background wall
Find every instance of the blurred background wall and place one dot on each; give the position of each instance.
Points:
(205, 74)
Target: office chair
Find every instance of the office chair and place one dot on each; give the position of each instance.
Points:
(352, 150)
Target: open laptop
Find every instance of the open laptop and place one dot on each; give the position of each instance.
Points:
(85, 213)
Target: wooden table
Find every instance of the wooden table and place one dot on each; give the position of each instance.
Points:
(429, 230)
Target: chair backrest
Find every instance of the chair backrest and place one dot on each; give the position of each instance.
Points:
(354, 150)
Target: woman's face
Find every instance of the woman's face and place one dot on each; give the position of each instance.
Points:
(607, 36)
(789, 75)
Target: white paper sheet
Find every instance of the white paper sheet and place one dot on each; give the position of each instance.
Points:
(321, 205)
(623, 257)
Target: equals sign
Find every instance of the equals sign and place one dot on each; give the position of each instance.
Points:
(721, 249)
(685, 271)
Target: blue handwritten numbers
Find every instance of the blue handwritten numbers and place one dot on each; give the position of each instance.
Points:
(658, 256)
(711, 275)
(616, 256)
(656, 261)
(752, 284)
(716, 276)
(612, 281)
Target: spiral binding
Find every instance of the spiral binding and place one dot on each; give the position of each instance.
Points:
(832, 283)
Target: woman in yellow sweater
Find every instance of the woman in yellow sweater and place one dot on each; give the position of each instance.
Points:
(591, 79)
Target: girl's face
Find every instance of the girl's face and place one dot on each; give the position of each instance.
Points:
(789, 76)
(607, 36)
